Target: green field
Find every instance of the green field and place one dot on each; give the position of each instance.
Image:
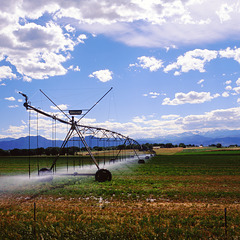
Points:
(180, 196)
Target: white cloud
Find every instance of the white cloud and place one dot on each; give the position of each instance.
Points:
(13, 106)
(150, 63)
(143, 126)
(237, 90)
(192, 60)
(137, 23)
(200, 81)
(36, 50)
(225, 94)
(228, 88)
(16, 129)
(177, 73)
(61, 106)
(153, 94)
(231, 53)
(238, 82)
(191, 97)
(10, 99)
(156, 23)
(215, 120)
(75, 69)
(6, 72)
(27, 79)
(139, 119)
(170, 116)
(81, 38)
(228, 82)
(69, 28)
(103, 75)
(224, 12)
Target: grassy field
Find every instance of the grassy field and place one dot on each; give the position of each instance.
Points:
(179, 195)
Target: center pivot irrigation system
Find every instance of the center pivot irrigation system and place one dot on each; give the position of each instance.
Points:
(101, 175)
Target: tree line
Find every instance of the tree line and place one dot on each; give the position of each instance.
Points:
(73, 150)
(51, 151)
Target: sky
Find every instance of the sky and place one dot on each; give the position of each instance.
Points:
(173, 65)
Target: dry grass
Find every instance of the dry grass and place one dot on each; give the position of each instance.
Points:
(143, 218)
(168, 151)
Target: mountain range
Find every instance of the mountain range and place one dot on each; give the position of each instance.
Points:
(226, 138)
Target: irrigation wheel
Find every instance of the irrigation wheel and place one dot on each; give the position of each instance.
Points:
(103, 175)
(141, 161)
(46, 173)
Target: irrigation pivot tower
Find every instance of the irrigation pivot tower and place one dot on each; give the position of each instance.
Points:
(101, 175)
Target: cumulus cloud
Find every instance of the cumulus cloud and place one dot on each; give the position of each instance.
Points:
(228, 82)
(10, 99)
(224, 13)
(61, 106)
(156, 23)
(150, 63)
(192, 60)
(231, 53)
(16, 129)
(216, 119)
(137, 23)
(237, 90)
(13, 106)
(69, 28)
(225, 94)
(36, 52)
(75, 69)
(153, 94)
(38, 49)
(102, 75)
(200, 81)
(228, 88)
(145, 126)
(191, 98)
(6, 72)
(238, 82)
(170, 116)
(81, 38)
(27, 79)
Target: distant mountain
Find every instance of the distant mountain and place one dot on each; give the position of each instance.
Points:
(41, 142)
(6, 139)
(23, 143)
(225, 137)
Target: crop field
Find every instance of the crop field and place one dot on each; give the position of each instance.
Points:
(186, 194)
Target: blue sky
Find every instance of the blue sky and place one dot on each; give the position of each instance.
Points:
(173, 65)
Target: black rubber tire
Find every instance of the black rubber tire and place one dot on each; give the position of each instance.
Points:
(141, 161)
(45, 175)
(44, 172)
(103, 175)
